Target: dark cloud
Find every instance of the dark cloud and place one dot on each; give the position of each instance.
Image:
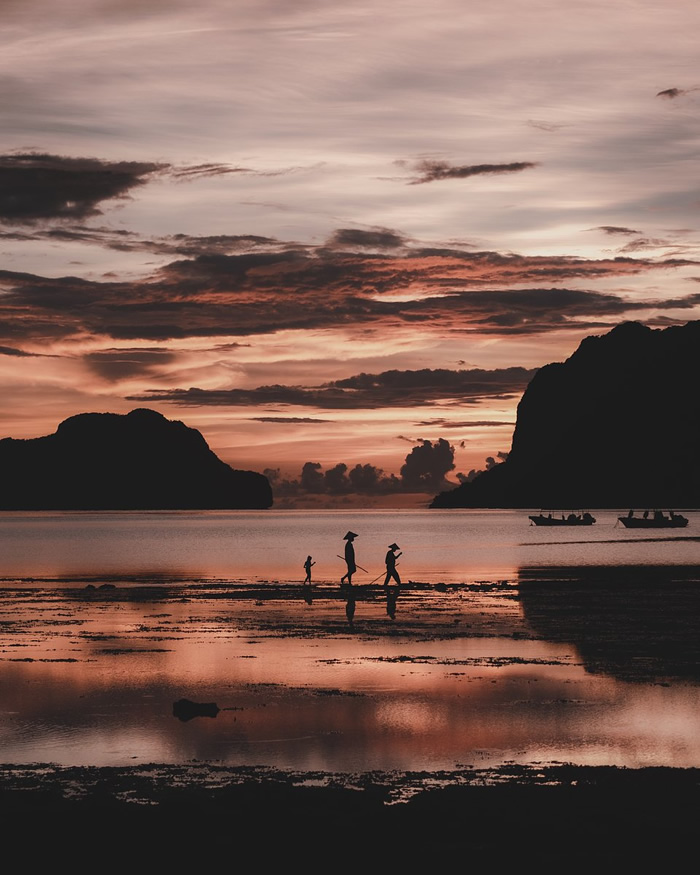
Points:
(128, 241)
(288, 419)
(643, 243)
(478, 423)
(427, 466)
(424, 471)
(615, 229)
(121, 364)
(36, 186)
(267, 289)
(380, 238)
(431, 171)
(194, 170)
(672, 93)
(8, 350)
(388, 389)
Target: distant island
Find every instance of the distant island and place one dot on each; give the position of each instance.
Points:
(616, 425)
(134, 461)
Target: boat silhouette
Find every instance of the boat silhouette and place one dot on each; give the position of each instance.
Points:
(572, 518)
(656, 519)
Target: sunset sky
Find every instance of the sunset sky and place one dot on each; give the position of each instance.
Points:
(336, 232)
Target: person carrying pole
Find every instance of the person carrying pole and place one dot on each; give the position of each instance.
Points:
(349, 558)
(390, 560)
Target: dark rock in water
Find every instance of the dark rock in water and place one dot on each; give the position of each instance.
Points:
(616, 425)
(184, 709)
(110, 461)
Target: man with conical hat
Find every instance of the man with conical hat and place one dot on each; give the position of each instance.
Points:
(390, 559)
(349, 557)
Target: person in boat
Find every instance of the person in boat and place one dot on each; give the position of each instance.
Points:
(630, 514)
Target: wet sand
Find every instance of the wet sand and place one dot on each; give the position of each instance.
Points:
(204, 815)
(203, 812)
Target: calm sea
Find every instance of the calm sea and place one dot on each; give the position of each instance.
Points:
(450, 546)
(483, 671)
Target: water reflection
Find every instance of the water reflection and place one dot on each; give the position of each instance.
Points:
(392, 594)
(536, 668)
(637, 623)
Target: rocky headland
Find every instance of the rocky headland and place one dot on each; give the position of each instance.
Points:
(615, 425)
(136, 461)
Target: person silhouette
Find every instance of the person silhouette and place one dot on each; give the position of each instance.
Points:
(349, 557)
(390, 560)
(307, 568)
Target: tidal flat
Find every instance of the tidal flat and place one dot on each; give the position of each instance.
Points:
(558, 707)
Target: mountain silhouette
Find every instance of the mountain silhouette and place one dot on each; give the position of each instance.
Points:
(615, 425)
(136, 461)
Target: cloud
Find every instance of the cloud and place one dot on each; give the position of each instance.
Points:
(615, 229)
(430, 170)
(194, 171)
(424, 471)
(544, 126)
(8, 350)
(387, 389)
(120, 364)
(643, 243)
(36, 186)
(268, 288)
(477, 423)
(672, 93)
(427, 466)
(379, 238)
(292, 420)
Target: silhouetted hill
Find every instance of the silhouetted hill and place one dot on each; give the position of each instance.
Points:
(109, 461)
(615, 425)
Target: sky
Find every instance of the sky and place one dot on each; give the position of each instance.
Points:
(339, 239)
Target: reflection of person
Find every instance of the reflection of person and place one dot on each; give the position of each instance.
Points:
(307, 567)
(390, 560)
(392, 593)
(348, 591)
(349, 558)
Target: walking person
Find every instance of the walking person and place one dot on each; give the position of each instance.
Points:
(390, 560)
(349, 558)
(307, 568)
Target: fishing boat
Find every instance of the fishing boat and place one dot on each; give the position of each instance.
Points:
(656, 519)
(578, 518)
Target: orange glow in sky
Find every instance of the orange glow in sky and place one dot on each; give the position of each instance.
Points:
(316, 253)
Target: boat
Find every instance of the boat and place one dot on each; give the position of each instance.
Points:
(563, 519)
(656, 519)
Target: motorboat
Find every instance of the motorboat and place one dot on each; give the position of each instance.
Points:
(572, 518)
(654, 519)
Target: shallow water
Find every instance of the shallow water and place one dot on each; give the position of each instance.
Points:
(452, 545)
(509, 643)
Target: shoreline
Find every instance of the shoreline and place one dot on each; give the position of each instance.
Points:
(557, 813)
